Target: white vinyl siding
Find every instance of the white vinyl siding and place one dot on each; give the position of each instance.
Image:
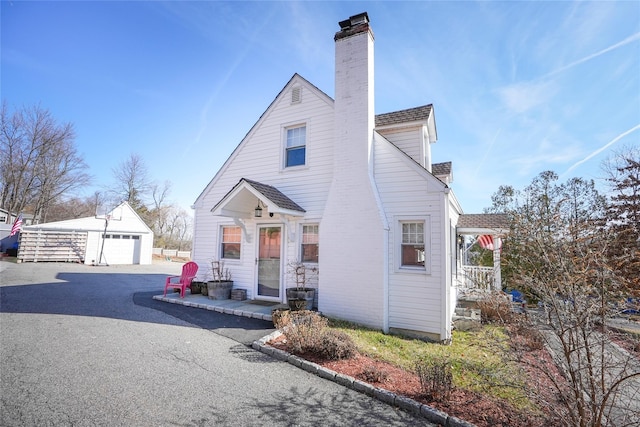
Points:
(260, 157)
(410, 194)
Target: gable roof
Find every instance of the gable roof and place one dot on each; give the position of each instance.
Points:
(274, 195)
(420, 114)
(241, 199)
(296, 78)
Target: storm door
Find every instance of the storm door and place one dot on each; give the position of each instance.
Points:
(269, 264)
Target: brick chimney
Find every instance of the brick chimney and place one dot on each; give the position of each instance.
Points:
(353, 230)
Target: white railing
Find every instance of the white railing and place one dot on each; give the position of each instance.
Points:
(475, 277)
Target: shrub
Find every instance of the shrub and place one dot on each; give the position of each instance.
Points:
(436, 378)
(280, 317)
(303, 330)
(307, 332)
(335, 345)
(373, 374)
(496, 308)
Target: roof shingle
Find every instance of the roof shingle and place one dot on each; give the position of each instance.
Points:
(493, 221)
(275, 195)
(404, 116)
(439, 169)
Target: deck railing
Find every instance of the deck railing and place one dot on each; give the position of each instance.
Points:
(475, 277)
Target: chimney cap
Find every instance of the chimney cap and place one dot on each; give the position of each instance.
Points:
(361, 18)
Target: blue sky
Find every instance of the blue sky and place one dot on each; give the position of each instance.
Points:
(517, 87)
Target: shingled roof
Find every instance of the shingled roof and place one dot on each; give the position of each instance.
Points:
(404, 116)
(440, 169)
(274, 195)
(489, 221)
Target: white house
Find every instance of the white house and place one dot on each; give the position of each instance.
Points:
(120, 237)
(329, 183)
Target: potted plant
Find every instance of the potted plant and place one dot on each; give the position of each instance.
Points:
(196, 287)
(220, 286)
(301, 296)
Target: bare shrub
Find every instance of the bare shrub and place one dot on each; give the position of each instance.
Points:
(335, 345)
(304, 330)
(436, 378)
(496, 308)
(281, 318)
(374, 374)
(308, 332)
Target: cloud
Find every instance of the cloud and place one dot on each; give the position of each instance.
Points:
(522, 97)
(601, 149)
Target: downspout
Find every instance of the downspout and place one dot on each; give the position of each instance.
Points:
(445, 329)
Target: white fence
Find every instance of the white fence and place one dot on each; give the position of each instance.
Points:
(172, 253)
(475, 277)
(47, 245)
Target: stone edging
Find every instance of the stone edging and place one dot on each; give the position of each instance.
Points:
(223, 310)
(431, 414)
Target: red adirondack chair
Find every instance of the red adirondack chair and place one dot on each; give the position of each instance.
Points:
(189, 271)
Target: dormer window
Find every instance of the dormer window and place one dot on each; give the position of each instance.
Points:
(295, 147)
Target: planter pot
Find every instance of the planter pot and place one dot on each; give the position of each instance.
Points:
(297, 294)
(297, 304)
(196, 287)
(219, 290)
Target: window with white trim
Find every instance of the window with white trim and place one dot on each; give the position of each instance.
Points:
(295, 146)
(231, 242)
(310, 244)
(412, 252)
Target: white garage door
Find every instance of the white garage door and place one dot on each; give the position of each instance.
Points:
(121, 249)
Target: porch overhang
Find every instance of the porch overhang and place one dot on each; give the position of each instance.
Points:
(241, 201)
(483, 224)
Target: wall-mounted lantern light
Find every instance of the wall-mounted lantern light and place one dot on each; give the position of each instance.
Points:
(258, 210)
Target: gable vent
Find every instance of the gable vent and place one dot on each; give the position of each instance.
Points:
(295, 95)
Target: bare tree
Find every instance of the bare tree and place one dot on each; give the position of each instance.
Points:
(132, 182)
(557, 254)
(38, 160)
(75, 207)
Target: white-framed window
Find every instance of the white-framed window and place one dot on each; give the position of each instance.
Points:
(295, 146)
(230, 242)
(309, 248)
(413, 244)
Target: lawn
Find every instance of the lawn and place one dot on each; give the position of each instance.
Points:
(480, 359)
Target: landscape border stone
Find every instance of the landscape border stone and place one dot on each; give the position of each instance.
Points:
(409, 405)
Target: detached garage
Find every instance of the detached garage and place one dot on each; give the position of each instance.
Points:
(119, 237)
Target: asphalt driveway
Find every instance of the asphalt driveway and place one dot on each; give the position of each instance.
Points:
(87, 346)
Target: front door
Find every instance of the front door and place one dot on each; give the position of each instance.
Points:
(269, 265)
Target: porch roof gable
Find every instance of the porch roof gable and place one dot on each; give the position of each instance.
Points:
(242, 199)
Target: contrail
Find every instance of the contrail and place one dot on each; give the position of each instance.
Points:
(486, 153)
(626, 41)
(601, 149)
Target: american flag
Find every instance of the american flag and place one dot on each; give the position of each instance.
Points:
(486, 242)
(17, 225)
